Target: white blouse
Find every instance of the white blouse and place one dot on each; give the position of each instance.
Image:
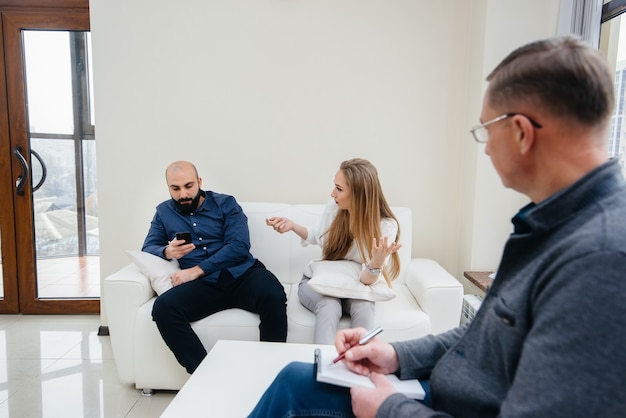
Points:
(316, 235)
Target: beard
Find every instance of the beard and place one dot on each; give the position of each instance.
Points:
(187, 205)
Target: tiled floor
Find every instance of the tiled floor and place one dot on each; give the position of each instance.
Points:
(57, 366)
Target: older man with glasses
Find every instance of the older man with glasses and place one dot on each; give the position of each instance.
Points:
(548, 338)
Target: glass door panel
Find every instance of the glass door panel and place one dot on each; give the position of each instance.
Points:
(47, 64)
(63, 163)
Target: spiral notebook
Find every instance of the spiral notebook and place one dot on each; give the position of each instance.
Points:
(338, 374)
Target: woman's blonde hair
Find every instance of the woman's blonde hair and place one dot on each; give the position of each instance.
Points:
(362, 222)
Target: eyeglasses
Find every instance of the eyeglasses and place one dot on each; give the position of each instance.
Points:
(480, 134)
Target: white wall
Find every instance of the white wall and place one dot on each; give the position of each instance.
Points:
(498, 28)
(267, 97)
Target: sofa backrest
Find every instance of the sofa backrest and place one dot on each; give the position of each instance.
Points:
(284, 255)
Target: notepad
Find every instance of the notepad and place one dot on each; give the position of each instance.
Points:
(338, 374)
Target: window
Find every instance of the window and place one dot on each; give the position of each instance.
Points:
(613, 46)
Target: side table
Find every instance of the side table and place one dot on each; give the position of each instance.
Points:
(480, 279)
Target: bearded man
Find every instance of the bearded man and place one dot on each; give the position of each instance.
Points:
(217, 270)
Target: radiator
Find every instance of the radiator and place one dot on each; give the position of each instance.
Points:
(471, 304)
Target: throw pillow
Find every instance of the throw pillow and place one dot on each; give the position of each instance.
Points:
(340, 279)
(156, 269)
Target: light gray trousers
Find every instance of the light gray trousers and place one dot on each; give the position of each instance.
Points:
(328, 311)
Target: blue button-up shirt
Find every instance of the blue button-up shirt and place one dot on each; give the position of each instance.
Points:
(219, 230)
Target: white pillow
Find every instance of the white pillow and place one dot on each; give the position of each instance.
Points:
(340, 279)
(156, 269)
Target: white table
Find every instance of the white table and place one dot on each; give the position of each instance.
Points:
(232, 378)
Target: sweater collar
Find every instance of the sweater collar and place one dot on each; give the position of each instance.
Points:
(598, 183)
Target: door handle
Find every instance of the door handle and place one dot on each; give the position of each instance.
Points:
(20, 183)
(44, 170)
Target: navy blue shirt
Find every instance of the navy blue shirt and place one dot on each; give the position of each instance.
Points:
(219, 230)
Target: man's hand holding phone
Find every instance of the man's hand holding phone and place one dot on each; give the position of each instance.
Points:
(180, 246)
(184, 236)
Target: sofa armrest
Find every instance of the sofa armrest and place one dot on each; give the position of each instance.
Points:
(124, 292)
(437, 292)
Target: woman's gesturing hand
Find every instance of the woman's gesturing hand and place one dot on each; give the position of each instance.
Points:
(280, 224)
(381, 248)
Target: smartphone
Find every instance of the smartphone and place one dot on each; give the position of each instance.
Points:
(184, 236)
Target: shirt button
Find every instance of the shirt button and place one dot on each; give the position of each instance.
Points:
(200, 239)
(194, 224)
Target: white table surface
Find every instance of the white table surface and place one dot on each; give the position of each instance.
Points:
(232, 378)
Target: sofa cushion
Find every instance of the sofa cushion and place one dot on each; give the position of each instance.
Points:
(341, 279)
(156, 269)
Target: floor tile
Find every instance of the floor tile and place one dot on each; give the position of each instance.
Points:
(57, 366)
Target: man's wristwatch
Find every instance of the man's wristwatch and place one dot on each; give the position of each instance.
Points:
(372, 270)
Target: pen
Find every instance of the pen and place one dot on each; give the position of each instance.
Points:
(364, 340)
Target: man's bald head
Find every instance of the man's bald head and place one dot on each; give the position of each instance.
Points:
(179, 166)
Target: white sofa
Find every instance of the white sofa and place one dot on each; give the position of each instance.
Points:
(428, 300)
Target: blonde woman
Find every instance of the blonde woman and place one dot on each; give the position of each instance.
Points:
(357, 225)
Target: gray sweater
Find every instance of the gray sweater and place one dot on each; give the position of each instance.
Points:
(549, 338)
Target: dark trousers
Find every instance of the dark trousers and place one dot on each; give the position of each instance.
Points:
(257, 291)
